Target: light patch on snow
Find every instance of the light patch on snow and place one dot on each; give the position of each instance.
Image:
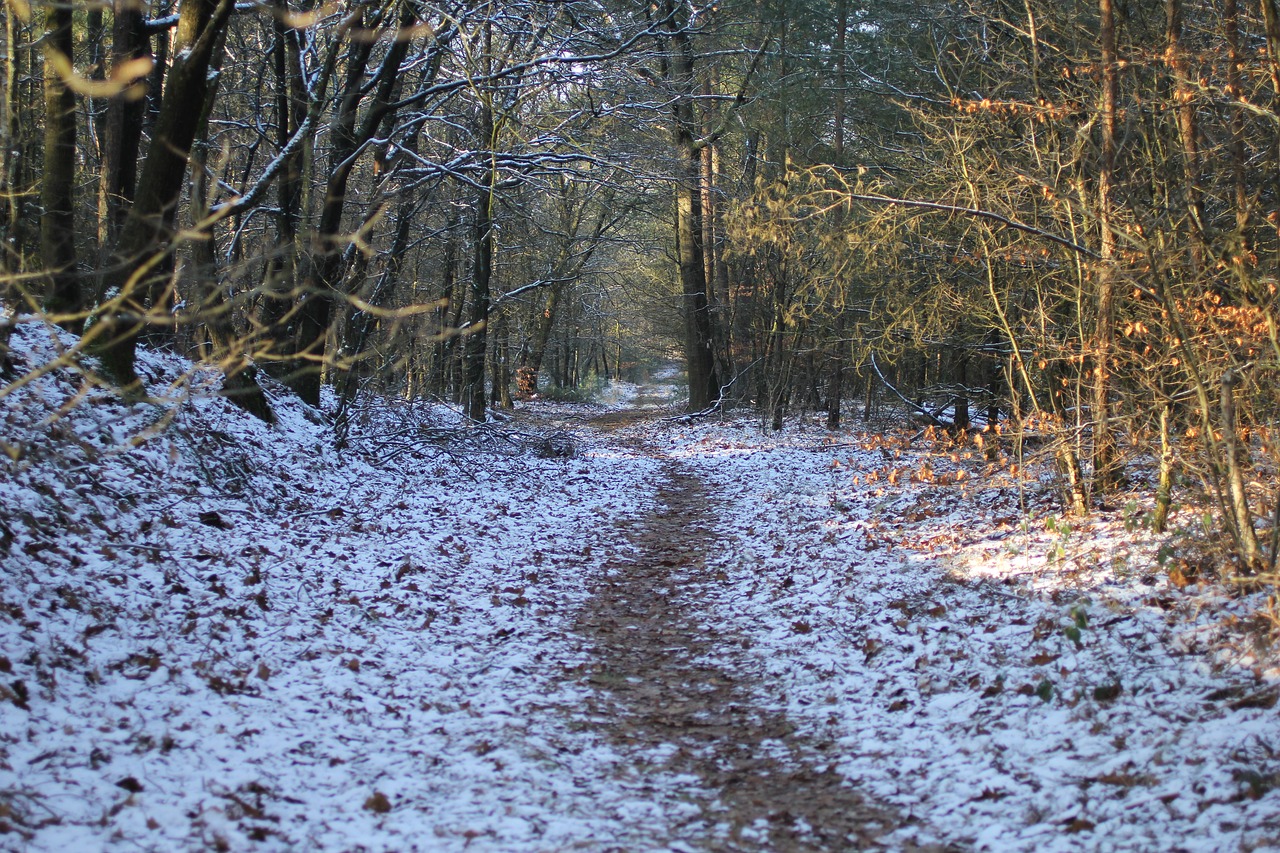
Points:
(1015, 692)
(234, 635)
(230, 634)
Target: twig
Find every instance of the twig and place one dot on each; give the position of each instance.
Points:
(916, 408)
(717, 406)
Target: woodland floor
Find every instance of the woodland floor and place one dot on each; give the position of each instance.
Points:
(668, 677)
(219, 635)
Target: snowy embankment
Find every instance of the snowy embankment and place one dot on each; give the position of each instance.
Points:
(1012, 688)
(219, 634)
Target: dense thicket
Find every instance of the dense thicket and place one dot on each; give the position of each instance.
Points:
(1056, 218)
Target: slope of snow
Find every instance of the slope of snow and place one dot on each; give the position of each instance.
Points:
(1010, 691)
(231, 634)
(220, 634)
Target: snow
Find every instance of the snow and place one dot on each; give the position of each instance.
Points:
(949, 675)
(332, 629)
(219, 633)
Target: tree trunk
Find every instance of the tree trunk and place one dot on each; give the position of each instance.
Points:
(240, 377)
(1236, 147)
(699, 339)
(842, 31)
(14, 157)
(442, 354)
(501, 365)
(1105, 470)
(324, 268)
(473, 359)
(155, 80)
(961, 420)
(1185, 112)
(1271, 23)
(147, 234)
(122, 125)
(543, 324)
(63, 298)
(1235, 457)
(704, 385)
(1164, 486)
(282, 267)
(835, 388)
(321, 268)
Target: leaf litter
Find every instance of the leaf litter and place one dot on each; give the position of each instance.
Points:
(1011, 687)
(224, 635)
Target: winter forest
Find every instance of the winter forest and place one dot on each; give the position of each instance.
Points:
(621, 426)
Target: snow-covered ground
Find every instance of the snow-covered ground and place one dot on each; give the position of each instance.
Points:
(1012, 688)
(219, 634)
(231, 636)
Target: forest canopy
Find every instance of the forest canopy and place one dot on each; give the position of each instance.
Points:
(1056, 220)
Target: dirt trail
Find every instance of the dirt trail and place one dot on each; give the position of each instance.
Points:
(665, 676)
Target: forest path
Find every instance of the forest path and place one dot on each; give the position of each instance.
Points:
(667, 680)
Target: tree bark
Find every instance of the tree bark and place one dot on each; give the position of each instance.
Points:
(64, 298)
(1271, 24)
(1105, 472)
(1164, 485)
(842, 23)
(1185, 112)
(323, 270)
(704, 385)
(1235, 456)
(835, 387)
(280, 273)
(442, 355)
(1236, 147)
(308, 328)
(699, 339)
(543, 324)
(122, 125)
(147, 235)
(475, 350)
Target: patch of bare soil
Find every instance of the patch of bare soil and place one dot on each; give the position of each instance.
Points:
(667, 678)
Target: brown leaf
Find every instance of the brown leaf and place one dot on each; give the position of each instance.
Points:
(213, 519)
(1264, 699)
(1078, 824)
(989, 794)
(130, 784)
(378, 803)
(16, 693)
(1107, 692)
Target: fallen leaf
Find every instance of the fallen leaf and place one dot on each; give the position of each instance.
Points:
(213, 519)
(378, 803)
(1107, 692)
